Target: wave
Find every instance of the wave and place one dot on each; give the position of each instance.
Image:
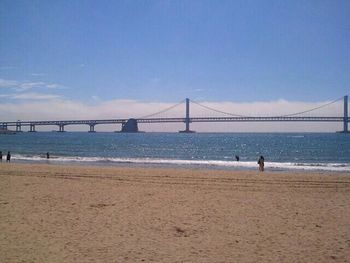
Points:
(336, 167)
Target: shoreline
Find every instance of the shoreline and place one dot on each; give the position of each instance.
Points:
(287, 153)
(218, 165)
(60, 213)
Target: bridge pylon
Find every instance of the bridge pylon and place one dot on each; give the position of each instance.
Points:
(18, 127)
(32, 128)
(92, 127)
(346, 116)
(187, 118)
(61, 128)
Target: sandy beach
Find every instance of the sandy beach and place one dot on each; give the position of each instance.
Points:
(51, 213)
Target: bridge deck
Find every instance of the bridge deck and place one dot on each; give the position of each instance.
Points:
(180, 120)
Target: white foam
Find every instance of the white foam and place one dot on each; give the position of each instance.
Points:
(337, 167)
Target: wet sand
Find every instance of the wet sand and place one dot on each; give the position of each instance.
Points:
(62, 213)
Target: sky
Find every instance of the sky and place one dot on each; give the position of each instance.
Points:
(101, 59)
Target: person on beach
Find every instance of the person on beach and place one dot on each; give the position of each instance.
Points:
(8, 157)
(47, 155)
(237, 158)
(261, 163)
(0, 156)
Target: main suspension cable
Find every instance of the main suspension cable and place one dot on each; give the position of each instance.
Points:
(286, 115)
(162, 111)
(237, 115)
(316, 108)
(219, 111)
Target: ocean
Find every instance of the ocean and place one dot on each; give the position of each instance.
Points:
(282, 151)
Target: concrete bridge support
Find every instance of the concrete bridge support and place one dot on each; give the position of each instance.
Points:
(61, 128)
(32, 128)
(187, 118)
(92, 127)
(130, 126)
(18, 127)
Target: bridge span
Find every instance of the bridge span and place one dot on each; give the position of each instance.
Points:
(131, 125)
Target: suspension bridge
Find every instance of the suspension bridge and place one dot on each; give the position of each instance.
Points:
(131, 124)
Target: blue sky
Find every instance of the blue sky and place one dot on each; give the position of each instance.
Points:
(238, 51)
(112, 59)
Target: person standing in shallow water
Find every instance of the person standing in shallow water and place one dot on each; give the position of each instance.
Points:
(8, 157)
(261, 163)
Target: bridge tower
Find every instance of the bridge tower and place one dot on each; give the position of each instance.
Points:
(187, 118)
(345, 121)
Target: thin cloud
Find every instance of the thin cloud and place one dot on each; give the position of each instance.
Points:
(30, 85)
(199, 90)
(27, 85)
(37, 74)
(4, 83)
(96, 98)
(35, 96)
(7, 67)
(30, 96)
(55, 86)
(33, 85)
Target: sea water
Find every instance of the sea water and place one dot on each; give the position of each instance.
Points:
(282, 151)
